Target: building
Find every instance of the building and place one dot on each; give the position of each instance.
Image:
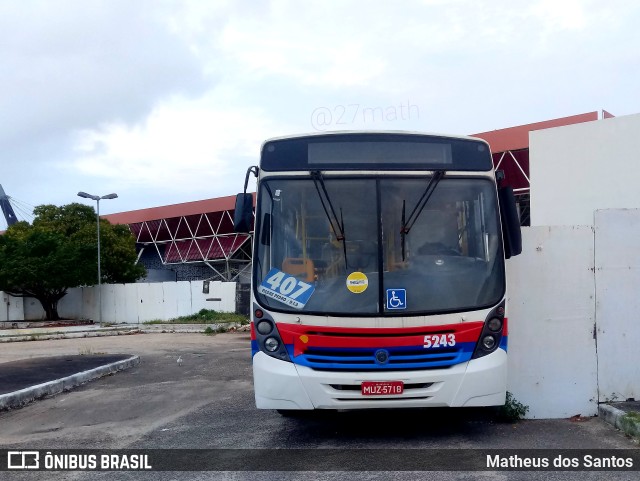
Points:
(189, 241)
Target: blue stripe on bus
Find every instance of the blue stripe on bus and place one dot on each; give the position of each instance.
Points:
(433, 358)
(405, 357)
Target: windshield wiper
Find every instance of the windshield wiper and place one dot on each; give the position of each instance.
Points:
(417, 210)
(336, 225)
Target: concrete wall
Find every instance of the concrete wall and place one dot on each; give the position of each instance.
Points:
(552, 351)
(32, 309)
(134, 303)
(617, 279)
(588, 174)
(578, 169)
(574, 322)
(11, 308)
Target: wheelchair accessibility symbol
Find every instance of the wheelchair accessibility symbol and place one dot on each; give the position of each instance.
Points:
(396, 298)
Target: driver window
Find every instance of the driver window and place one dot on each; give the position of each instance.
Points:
(437, 232)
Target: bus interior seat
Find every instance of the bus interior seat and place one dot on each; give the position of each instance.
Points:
(300, 268)
(438, 234)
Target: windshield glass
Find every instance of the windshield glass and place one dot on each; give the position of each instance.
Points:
(450, 260)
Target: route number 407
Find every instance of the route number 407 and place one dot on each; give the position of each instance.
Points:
(439, 340)
(287, 285)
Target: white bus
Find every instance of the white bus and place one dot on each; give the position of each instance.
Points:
(378, 276)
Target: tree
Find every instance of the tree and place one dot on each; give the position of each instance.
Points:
(59, 251)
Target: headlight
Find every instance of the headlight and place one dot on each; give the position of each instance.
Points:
(488, 342)
(264, 327)
(494, 324)
(493, 334)
(271, 344)
(266, 337)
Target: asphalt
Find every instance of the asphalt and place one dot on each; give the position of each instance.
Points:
(27, 380)
(18, 375)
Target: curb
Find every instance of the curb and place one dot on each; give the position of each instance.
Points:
(123, 331)
(47, 336)
(191, 328)
(625, 422)
(27, 395)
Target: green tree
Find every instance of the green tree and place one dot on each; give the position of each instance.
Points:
(59, 251)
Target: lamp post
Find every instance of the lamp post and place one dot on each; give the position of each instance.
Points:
(98, 198)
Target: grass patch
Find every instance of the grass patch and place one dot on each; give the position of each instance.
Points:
(634, 416)
(156, 321)
(512, 410)
(218, 330)
(37, 335)
(630, 424)
(205, 316)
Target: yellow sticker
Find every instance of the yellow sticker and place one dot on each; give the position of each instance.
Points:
(304, 338)
(357, 282)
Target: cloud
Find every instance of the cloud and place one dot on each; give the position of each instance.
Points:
(566, 15)
(70, 65)
(183, 146)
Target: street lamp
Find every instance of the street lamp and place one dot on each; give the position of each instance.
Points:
(97, 198)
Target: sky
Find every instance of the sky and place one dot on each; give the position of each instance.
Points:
(164, 102)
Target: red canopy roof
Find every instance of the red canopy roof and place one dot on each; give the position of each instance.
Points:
(515, 138)
(175, 210)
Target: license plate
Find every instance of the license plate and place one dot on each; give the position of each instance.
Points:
(381, 388)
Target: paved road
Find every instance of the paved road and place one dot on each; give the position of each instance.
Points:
(206, 402)
(25, 373)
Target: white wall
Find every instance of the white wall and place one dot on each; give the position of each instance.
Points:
(32, 309)
(226, 291)
(140, 302)
(617, 277)
(574, 315)
(151, 299)
(70, 306)
(578, 169)
(11, 308)
(551, 308)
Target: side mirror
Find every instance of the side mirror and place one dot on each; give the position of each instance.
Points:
(511, 234)
(243, 215)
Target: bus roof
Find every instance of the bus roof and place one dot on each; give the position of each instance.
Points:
(374, 150)
(371, 132)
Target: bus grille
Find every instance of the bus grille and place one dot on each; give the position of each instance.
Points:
(399, 358)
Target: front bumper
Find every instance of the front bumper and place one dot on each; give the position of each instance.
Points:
(284, 385)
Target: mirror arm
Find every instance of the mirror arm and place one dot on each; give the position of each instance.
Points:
(253, 169)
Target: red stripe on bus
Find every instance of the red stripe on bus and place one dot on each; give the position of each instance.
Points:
(342, 337)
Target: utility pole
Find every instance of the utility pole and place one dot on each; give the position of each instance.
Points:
(98, 198)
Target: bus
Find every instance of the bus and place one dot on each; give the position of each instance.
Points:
(378, 271)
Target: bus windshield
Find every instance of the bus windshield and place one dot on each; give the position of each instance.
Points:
(451, 259)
